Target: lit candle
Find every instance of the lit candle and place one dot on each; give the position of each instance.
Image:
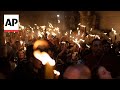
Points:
(70, 32)
(49, 74)
(56, 74)
(47, 61)
(5, 41)
(21, 43)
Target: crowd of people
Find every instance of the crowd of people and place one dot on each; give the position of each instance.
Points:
(100, 61)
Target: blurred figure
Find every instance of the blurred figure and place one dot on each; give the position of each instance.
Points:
(99, 58)
(21, 55)
(31, 68)
(106, 47)
(103, 73)
(78, 71)
(96, 55)
(9, 49)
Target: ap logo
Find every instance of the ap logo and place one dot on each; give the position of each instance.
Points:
(11, 22)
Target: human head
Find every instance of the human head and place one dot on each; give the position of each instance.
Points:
(78, 71)
(21, 54)
(96, 47)
(8, 43)
(103, 73)
(106, 46)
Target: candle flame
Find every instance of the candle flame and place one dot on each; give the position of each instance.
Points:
(58, 15)
(40, 43)
(56, 72)
(91, 29)
(44, 57)
(114, 31)
(66, 33)
(43, 27)
(5, 41)
(70, 32)
(58, 21)
(25, 48)
(21, 43)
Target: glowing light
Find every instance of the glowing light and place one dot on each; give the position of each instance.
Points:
(92, 35)
(56, 72)
(41, 43)
(110, 38)
(114, 31)
(77, 42)
(111, 45)
(79, 32)
(82, 40)
(25, 48)
(58, 15)
(83, 26)
(91, 29)
(58, 21)
(54, 34)
(50, 25)
(87, 46)
(82, 35)
(51, 62)
(21, 43)
(43, 27)
(32, 31)
(39, 34)
(97, 36)
(37, 27)
(119, 51)
(79, 24)
(57, 29)
(63, 42)
(5, 41)
(44, 57)
(66, 33)
(70, 32)
(105, 33)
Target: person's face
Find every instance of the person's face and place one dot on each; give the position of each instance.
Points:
(97, 47)
(106, 48)
(21, 54)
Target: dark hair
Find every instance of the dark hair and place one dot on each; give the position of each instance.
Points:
(105, 42)
(96, 39)
(8, 43)
(29, 51)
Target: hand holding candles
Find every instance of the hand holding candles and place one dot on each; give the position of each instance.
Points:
(44, 58)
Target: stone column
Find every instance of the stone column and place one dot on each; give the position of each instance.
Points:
(88, 18)
(2, 39)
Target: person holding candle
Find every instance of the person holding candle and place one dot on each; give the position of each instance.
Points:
(31, 68)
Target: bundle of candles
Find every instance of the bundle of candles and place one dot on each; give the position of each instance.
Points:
(46, 60)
